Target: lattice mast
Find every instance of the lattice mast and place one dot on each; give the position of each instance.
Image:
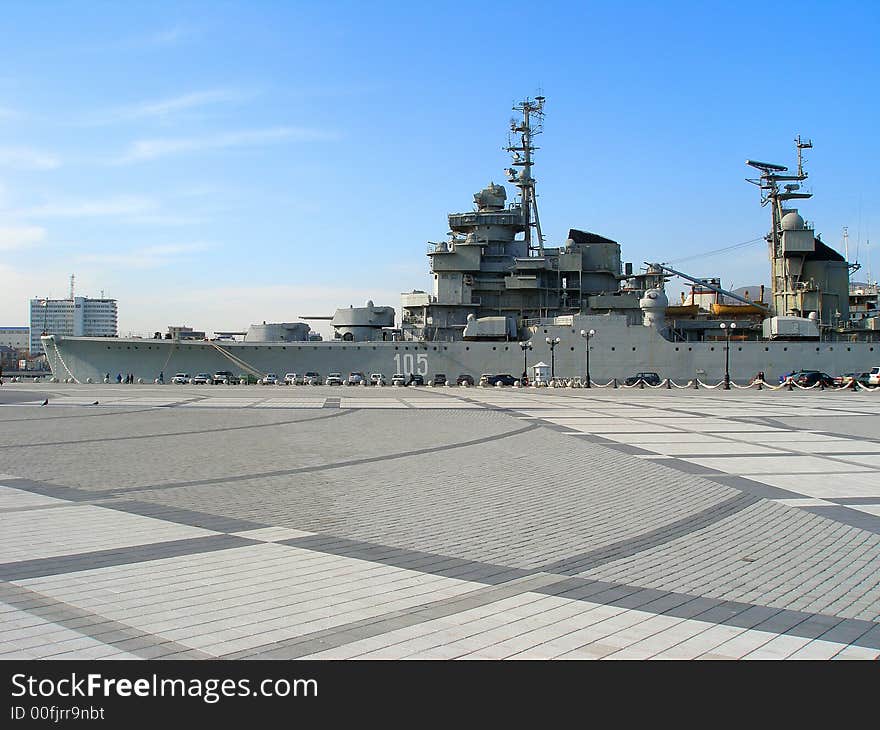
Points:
(521, 148)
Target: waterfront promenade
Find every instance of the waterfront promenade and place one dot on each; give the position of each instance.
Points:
(251, 522)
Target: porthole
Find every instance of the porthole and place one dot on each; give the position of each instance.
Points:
(817, 349)
(435, 349)
(572, 349)
(830, 349)
(545, 332)
(612, 349)
(849, 349)
(467, 348)
(396, 347)
(676, 349)
(739, 349)
(766, 349)
(690, 349)
(785, 349)
(634, 349)
(505, 349)
(712, 349)
(494, 348)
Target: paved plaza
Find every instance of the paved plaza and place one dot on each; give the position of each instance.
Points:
(251, 522)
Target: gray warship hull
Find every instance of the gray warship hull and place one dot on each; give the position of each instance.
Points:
(503, 302)
(619, 349)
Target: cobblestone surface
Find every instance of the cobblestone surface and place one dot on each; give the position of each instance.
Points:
(447, 522)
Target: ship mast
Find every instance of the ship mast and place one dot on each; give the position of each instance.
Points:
(522, 150)
(784, 279)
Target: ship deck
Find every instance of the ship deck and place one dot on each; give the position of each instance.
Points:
(171, 522)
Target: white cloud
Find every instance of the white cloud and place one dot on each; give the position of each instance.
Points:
(147, 257)
(122, 205)
(165, 107)
(151, 149)
(27, 158)
(20, 236)
(168, 36)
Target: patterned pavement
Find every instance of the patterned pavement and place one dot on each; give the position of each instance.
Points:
(314, 522)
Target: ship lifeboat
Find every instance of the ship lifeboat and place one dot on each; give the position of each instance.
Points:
(735, 310)
(683, 310)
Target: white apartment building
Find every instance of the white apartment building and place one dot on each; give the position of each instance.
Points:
(77, 317)
(18, 338)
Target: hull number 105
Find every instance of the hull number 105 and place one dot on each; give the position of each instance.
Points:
(407, 364)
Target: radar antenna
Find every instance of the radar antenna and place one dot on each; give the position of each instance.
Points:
(531, 124)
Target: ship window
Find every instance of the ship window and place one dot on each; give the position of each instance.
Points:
(634, 349)
(375, 348)
(396, 347)
(739, 349)
(817, 349)
(283, 348)
(766, 349)
(690, 349)
(676, 349)
(445, 348)
(545, 332)
(494, 348)
(128, 348)
(507, 348)
(435, 349)
(572, 349)
(785, 349)
(830, 349)
(848, 349)
(108, 347)
(612, 349)
(467, 348)
(712, 349)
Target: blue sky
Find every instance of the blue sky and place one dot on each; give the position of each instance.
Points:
(216, 164)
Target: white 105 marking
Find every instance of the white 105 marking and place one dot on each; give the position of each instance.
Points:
(407, 364)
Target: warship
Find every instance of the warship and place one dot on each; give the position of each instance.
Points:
(504, 302)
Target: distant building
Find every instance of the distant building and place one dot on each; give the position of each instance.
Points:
(18, 338)
(184, 333)
(76, 317)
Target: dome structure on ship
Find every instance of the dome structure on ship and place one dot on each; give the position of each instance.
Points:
(792, 221)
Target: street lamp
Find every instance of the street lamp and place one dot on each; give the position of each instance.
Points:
(552, 344)
(728, 329)
(526, 346)
(587, 335)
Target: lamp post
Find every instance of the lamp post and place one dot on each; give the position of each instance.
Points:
(587, 335)
(526, 346)
(553, 344)
(728, 329)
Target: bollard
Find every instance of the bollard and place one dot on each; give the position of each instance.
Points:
(790, 384)
(641, 385)
(668, 383)
(821, 385)
(696, 383)
(760, 385)
(615, 383)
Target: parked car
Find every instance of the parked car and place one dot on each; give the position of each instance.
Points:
(181, 378)
(503, 378)
(464, 378)
(356, 379)
(312, 378)
(270, 379)
(808, 378)
(484, 378)
(201, 379)
(334, 379)
(416, 379)
(398, 379)
(647, 378)
(292, 379)
(874, 376)
(222, 377)
(377, 379)
(438, 379)
(784, 378)
(842, 381)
